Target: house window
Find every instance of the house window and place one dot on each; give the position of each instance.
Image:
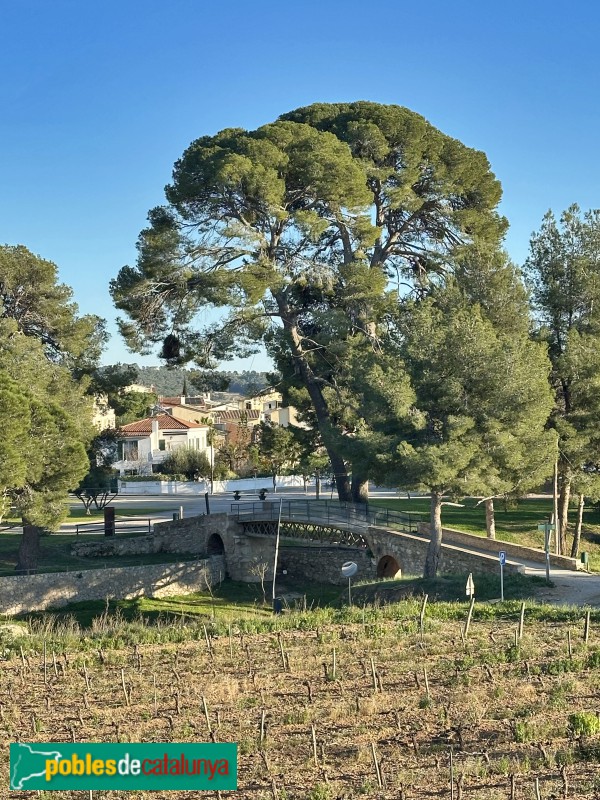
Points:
(161, 444)
(130, 451)
(248, 406)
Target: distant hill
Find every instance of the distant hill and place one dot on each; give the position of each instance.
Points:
(172, 381)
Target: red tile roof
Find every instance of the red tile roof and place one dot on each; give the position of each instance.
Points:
(165, 422)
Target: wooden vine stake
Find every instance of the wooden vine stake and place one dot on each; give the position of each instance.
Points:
(376, 765)
(263, 716)
(208, 644)
(521, 621)
(208, 725)
(426, 683)
(45, 664)
(86, 676)
(374, 675)
(313, 734)
(281, 650)
(586, 627)
(127, 699)
(569, 643)
(469, 617)
(334, 666)
(538, 796)
(422, 615)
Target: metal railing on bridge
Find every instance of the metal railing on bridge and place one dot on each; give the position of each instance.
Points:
(123, 525)
(328, 513)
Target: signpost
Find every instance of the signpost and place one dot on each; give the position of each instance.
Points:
(349, 569)
(502, 560)
(547, 527)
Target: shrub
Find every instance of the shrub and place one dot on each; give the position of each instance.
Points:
(191, 463)
(584, 723)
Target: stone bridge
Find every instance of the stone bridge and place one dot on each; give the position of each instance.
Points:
(315, 540)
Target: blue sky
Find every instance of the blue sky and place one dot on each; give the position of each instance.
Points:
(99, 98)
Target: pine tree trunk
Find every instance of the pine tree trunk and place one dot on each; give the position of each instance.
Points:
(434, 551)
(318, 401)
(563, 515)
(360, 487)
(490, 521)
(555, 502)
(29, 549)
(577, 537)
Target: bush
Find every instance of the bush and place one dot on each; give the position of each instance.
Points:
(187, 461)
(584, 723)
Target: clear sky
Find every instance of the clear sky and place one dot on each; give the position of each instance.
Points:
(99, 98)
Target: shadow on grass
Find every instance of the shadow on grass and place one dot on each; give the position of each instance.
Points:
(230, 599)
(449, 588)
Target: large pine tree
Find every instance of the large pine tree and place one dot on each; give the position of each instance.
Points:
(296, 230)
(564, 272)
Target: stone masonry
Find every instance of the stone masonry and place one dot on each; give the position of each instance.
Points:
(19, 594)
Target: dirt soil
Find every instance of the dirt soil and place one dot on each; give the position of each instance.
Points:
(387, 706)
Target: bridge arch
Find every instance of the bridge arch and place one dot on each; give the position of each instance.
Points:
(388, 567)
(215, 545)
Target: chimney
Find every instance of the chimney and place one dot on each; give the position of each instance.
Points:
(154, 435)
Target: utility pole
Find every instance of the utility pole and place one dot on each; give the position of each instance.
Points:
(276, 549)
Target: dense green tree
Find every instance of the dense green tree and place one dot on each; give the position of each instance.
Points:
(113, 378)
(15, 412)
(564, 273)
(132, 406)
(297, 229)
(49, 351)
(277, 449)
(522, 453)
(50, 456)
(43, 309)
(187, 461)
(480, 399)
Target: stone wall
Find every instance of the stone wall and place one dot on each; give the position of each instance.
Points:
(410, 552)
(20, 594)
(493, 547)
(189, 535)
(323, 564)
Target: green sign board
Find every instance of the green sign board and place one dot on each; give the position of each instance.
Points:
(129, 767)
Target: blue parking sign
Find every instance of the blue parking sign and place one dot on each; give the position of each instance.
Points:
(502, 557)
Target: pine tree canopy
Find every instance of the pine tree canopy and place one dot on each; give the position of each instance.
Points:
(297, 231)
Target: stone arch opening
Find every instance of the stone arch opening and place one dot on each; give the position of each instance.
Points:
(388, 567)
(215, 546)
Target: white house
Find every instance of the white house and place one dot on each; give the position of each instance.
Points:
(147, 442)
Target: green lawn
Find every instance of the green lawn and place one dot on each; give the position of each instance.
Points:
(516, 524)
(234, 601)
(56, 554)
(231, 600)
